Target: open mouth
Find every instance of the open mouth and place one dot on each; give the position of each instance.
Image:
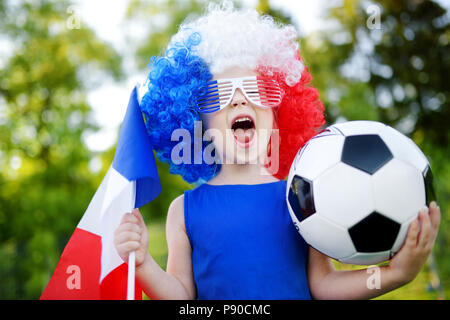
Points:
(243, 127)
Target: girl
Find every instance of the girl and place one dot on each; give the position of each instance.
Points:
(231, 237)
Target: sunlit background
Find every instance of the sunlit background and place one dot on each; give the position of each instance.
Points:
(67, 69)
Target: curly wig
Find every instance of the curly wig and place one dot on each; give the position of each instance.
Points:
(223, 38)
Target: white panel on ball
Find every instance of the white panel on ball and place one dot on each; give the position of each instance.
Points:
(327, 237)
(320, 154)
(343, 195)
(367, 258)
(399, 190)
(359, 127)
(404, 148)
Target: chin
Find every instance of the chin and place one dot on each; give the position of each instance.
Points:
(246, 159)
(253, 152)
(247, 156)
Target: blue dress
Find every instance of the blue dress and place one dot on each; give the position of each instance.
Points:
(244, 244)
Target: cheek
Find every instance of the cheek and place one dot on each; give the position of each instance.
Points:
(266, 119)
(216, 125)
(265, 127)
(217, 120)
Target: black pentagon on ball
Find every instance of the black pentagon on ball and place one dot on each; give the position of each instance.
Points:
(374, 233)
(300, 197)
(429, 190)
(367, 152)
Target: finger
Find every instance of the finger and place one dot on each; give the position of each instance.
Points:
(128, 246)
(411, 237)
(128, 226)
(127, 236)
(124, 217)
(136, 213)
(129, 217)
(435, 215)
(425, 228)
(435, 218)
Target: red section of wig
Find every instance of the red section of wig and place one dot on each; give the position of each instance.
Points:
(298, 118)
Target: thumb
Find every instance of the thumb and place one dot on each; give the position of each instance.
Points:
(135, 212)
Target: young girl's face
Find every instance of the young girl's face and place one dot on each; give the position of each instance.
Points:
(240, 131)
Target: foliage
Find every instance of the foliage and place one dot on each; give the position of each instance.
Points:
(161, 26)
(45, 183)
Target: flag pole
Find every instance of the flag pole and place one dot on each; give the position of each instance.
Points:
(131, 275)
(131, 257)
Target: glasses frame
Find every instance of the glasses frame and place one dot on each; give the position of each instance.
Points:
(215, 95)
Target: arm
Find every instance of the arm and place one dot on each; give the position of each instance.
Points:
(327, 283)
(178, 281)
(175, 283)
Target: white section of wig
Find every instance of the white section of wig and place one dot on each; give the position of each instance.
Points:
(231, 38)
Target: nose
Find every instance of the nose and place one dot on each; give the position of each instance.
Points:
(238, 99)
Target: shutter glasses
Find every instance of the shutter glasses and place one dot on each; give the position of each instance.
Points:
(260, 91)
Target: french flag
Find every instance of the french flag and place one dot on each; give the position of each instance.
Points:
(90, 267)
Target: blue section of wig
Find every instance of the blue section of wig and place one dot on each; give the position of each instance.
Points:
(169, 104)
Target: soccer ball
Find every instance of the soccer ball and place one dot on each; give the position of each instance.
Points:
(353, 190)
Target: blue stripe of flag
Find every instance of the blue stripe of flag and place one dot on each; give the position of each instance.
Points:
(134, 157)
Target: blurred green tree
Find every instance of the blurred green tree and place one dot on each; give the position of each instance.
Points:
(45, 182)
(162, 19)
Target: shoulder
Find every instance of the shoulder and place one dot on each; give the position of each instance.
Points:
(175, 214)
(177, 203)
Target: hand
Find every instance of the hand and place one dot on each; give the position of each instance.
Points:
(132, 235)
(419, 242)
